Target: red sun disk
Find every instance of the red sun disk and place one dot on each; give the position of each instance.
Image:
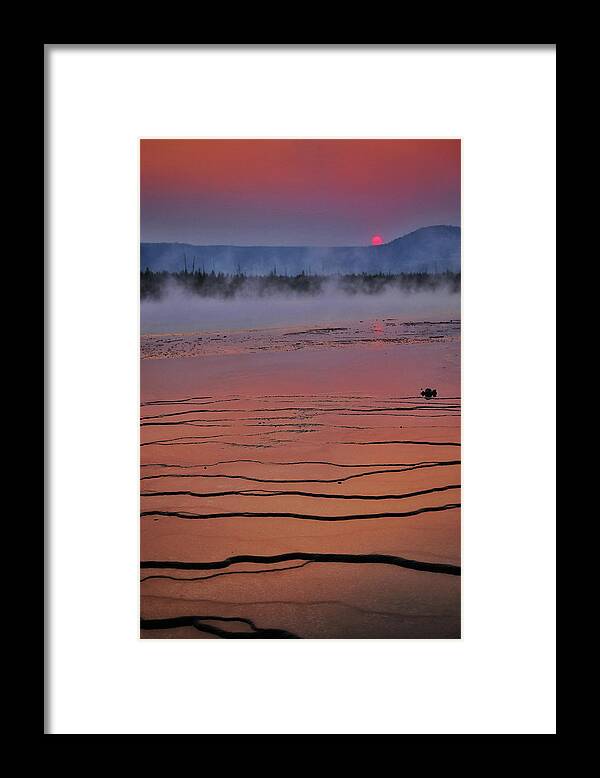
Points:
(376, 240)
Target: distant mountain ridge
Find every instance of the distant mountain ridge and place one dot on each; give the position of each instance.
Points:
(428, 249)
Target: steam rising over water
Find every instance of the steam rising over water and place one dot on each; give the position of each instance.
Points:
(179, 311)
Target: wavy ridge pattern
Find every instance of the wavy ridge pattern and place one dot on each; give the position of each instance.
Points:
(265, 419)
(355, 559)
(199, 623)
(305, 516)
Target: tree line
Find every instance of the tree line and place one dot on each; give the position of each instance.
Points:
(154, 285)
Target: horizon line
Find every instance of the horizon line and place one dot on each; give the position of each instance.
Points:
(295, 245)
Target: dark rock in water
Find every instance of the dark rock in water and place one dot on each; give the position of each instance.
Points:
(428, 393)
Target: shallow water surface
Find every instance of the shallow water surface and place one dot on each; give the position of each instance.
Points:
(296, 484)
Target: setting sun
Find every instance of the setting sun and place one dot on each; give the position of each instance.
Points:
(376, 240)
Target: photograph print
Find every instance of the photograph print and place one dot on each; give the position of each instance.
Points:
(300, 372)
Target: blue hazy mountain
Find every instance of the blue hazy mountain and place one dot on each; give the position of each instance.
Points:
(429, 249)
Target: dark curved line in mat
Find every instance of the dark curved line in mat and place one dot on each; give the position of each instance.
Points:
(307, 517)
(320, 410)
(453, 411)
(190, 423)
(455, 415)
(389, 442)
(222, 422)
(212, 441)
(182, 438)
(206, 422)
(218, 575)
(201, 425)
(305, 462)
(297, 493)
(301, 480)
(356, 559)
(198, 623)
(199, 440)
(211, 400)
